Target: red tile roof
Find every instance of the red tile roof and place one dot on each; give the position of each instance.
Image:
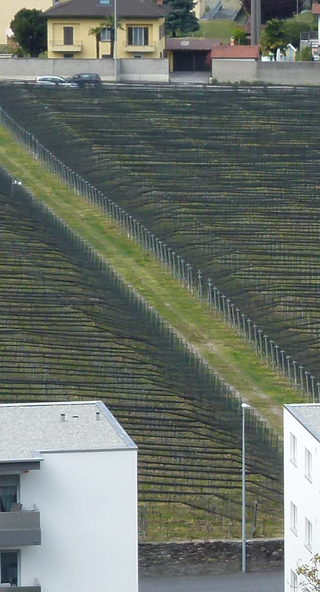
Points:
(191, 43)
(236, 52)
(316, 9)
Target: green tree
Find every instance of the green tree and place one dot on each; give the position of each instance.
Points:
(240, 36)
(274, 37)
(305, 55)
(181, 17)
(294, 28)
(271, 9)
(108, 23)
(30, 31)
(311, 575)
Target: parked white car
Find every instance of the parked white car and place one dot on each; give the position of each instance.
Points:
(54, 81)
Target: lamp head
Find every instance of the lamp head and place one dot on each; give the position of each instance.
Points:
(245, 406)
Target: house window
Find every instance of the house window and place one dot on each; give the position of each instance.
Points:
(308, 464)
(293, 581)
(161, 31)
(67, 35)
(105, 34)
(138, 36)
(9, 568)
(308, 534)
(293, 449)
(293, 517)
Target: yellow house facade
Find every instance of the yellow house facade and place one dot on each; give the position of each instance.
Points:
(74, 31)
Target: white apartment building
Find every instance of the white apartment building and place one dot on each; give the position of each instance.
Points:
(68, 497)
(301, 489)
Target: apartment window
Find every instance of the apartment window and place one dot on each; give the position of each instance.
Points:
(308, 534)
(67, 35)
(293, 449)
(293, 581)
(9, 485)
(293, 517)
(138, 36)
(9, 567)
(308, 464)
(105, 34)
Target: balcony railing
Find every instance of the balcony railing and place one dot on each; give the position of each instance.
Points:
(140, 48)
(19, 529)
(62, 47)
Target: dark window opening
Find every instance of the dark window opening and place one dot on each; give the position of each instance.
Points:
(67, 35)
(9, 568)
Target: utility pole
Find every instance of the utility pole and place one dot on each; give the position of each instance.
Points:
(255, 21)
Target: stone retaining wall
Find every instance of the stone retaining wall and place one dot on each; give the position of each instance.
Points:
(208, 557)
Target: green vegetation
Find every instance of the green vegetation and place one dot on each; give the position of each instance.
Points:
(224, 350)
(181, 19)
(214, 157)
(30, 31)
(216, 29)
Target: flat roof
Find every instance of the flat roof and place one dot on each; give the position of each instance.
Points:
(30, 429)
(308, 414)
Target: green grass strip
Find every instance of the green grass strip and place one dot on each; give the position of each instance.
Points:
(225, 351)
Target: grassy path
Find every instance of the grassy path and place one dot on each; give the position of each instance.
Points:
(225, 351)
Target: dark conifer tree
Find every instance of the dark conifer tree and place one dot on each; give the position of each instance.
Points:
(181, 17)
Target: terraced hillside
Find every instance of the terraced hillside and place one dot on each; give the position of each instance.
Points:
(70, 328)
(227, 177)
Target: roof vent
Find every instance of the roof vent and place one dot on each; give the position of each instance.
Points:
(63, 416)
(98, 416)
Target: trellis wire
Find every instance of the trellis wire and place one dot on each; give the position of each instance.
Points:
(299, 378)
(213, 379)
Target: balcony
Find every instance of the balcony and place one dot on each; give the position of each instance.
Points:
(63, 48)
(141, 48)
(19, 529)
(20, 588)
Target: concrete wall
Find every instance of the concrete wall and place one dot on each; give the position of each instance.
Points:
(88, 509)
(208, 557)
(144, 70)
(282, 73)
(134, 70)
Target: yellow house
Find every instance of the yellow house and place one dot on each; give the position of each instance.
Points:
(74, 29)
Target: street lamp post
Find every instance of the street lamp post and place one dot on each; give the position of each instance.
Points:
(244, 406)
(115, 38)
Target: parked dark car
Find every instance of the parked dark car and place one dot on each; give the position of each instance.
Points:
(83, 80)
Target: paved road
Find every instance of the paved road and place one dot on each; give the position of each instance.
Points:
(251, 582)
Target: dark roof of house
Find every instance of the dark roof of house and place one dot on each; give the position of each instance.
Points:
(103, 8)
(191, 43)
(236, 52)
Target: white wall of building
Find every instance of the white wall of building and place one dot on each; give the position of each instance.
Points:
(304, 492)
(88, 510)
